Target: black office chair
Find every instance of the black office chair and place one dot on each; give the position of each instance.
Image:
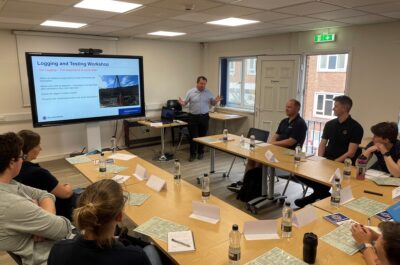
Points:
(174, 104)
(15, 257)
(260, 135)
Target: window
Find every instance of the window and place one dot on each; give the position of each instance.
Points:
(332, 63)
(251, 66)
(323, 104)
(238, 82)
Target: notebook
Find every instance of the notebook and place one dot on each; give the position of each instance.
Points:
(181, 241)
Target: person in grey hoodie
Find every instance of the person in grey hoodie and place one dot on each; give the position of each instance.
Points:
(28, 224)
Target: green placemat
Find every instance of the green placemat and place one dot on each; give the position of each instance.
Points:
(78, 159)
(366, 206)
(342, 239)
(159, 228)
(276, 256)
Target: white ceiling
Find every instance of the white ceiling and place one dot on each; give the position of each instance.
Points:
(276, 16)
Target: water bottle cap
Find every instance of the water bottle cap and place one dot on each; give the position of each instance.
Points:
(102, 154)
(235, 227)
(287, 204)
(337, 179)
(310, 238)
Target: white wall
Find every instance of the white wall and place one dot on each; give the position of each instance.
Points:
(170, 68)
(374, 77)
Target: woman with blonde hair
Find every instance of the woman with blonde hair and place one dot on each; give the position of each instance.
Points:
(98, 211)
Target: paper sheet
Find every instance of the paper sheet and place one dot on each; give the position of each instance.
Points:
(78, 159)
(316, 158)
(137, 199)
(159, 228)
(386, 181)
(276, 256)
(120, 178)
(124, 157)
(342, 239)
(366, 206)
(115, 169)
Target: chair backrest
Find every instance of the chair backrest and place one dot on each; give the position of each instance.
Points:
(174, 104)
(260, 135)
(16, 258)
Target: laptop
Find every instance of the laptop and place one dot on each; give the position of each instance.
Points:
(167, 115)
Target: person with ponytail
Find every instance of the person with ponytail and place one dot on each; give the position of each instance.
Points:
(98, 211)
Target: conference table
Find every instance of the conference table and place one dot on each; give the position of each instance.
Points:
(212, 240)
(314, 168)
(162, 126)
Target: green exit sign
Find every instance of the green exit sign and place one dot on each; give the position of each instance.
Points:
(324, 38)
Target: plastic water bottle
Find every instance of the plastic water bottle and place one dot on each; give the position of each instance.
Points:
(335, 197)
(297, 155)
(242, 141)
(205, 188)
(347, 168)
(361, 167)
(287, 219)
(234, 246)
(225, 135)
(177, 172)
(113, 144)
(252, 143)
(102, 165)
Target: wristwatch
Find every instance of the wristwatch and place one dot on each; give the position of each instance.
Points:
(387, 153)
(363, 246)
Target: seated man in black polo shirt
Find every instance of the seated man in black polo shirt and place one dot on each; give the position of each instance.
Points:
(290, 133)
(340, 140)
(386, 147)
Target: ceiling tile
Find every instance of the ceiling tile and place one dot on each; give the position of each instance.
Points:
(367, 19)
(264, 4)
(96, 29)
(54, 2)
(308, 8)
(131, 17)
(12, 20)
(342, 13)
(198, 17)
(171, 23)
(231, 11)
(86, 20)
(148, 11)
(323, 24)
(181, 5)
(267, 16)
(296, 20)
(395, 14)
(36, 8)
(115, 23)
(81, 12)
(15, 26)
(251, 27)
(201, 28)
(354, 3)
(381, 8)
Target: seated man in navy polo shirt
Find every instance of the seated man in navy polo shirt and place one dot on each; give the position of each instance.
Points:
(386, 147)
(290, 133)
(340, 140)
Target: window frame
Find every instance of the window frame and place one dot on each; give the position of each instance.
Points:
(336, 70)
(243, 73)
(324, 94)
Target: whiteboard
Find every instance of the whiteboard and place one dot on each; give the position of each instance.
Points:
(55, 43)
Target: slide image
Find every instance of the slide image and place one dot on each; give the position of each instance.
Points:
(119, 90)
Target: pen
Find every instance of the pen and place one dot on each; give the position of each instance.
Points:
(180, 242)
(369, 221)
(372, 192)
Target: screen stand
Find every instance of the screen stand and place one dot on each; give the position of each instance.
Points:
(93, 136)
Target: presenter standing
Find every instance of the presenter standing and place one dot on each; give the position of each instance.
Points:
(199, 99)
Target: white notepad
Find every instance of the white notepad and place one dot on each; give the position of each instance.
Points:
(181, 241)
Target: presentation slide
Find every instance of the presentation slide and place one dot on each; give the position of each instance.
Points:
(70, 88)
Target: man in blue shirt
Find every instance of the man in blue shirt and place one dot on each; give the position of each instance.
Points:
(199, 99)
